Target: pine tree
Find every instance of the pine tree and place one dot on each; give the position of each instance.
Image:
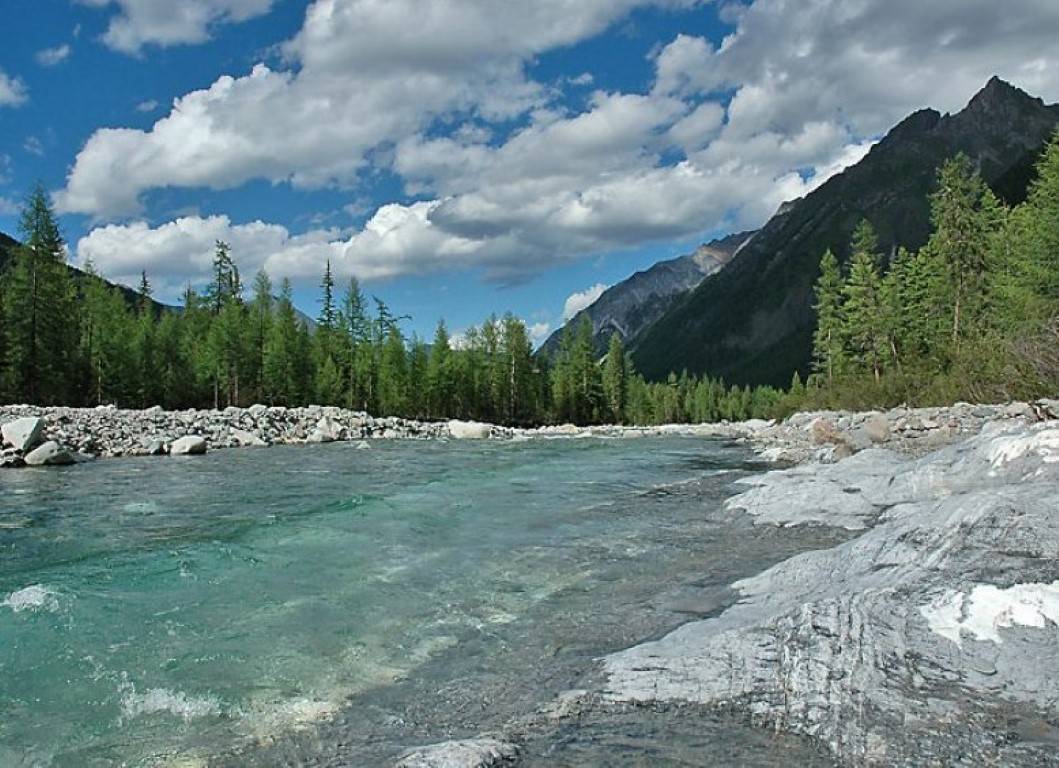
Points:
(862, 303)
(828, 354)
(39, 309)
(260, 329)
(615, 374)
(965, 214)
(440, 375)
(356, 330)
(281, 375)
(517, 356)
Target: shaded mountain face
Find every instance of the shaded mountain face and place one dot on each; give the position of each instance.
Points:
(752, 322)
(635, 303)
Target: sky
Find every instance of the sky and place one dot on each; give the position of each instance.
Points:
(465, 157)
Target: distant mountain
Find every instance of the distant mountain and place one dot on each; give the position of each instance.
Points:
(752, 322)
(8, 245)
(633, 304)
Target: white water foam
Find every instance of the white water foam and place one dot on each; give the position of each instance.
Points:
(163, 700)
(32, 598)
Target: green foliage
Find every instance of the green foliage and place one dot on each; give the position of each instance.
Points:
(972, 316)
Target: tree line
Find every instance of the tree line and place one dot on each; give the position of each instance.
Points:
(82, 342)
(973, 315)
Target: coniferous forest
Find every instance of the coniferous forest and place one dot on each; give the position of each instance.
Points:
(973, 315)
(81, 342)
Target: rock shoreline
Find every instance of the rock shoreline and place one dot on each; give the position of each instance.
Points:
(77, 434)
(930, 639)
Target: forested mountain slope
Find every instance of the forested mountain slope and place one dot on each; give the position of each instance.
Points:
(752, 322)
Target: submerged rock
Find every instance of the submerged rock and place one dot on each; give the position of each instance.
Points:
(470, 753)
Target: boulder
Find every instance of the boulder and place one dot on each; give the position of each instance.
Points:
(877, 428)
(245, 438)
(23, 434)
(823, 432)
(49, 454)
(189, 445)
(155, 448)
(319, 436)
(330, 428)
(469, 430)
(257, 410)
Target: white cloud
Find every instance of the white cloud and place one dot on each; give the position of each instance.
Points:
(12, 90)
(576, 302)
(538, 332)
(49, 57)
(726, 133)
(364, 78)
(34, 146)
(5, 168)
(171, 22)
(9, 206)
(147, 106)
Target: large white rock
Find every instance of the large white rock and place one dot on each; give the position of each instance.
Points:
(23, 434)
(188, 445)
(469, 430)
(245, 438)
(48, 455)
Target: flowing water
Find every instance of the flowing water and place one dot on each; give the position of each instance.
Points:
(326, 605)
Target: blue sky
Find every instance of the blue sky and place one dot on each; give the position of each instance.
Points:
(464, 157)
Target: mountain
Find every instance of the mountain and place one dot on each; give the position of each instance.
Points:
(635, 303)
(9, 244)
(752, 322)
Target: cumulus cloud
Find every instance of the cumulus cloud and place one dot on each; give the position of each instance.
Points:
(364, 77)
(50, 57)
(171, 22)
(724, 135)
(576, 302)
(147, 106)
(12, 90)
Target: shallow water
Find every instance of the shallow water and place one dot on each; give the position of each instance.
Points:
(331, 606)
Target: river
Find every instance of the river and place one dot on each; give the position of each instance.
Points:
(329, 605)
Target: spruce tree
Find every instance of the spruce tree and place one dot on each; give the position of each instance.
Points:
(828, 354)
(39, 306)
(862, 304)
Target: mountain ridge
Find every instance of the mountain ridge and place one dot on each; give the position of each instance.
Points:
(627, 307)
(752, 322)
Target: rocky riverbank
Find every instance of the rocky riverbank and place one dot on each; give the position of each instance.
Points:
(65, 435)
(927, 640)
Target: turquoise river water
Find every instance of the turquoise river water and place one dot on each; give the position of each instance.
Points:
(324, 605)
